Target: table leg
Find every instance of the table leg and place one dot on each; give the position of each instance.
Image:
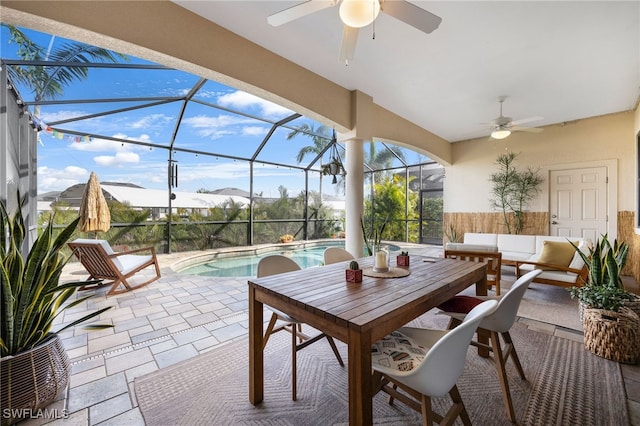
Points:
(256, 356)
(360, 381)
(483, 335)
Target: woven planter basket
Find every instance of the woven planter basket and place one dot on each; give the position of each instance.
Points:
(612, 335)
(633, 304)
(31, 380)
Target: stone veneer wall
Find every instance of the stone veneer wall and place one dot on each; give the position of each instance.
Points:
(536, 223)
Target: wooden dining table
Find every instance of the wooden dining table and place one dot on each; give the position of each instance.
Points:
(357, 314)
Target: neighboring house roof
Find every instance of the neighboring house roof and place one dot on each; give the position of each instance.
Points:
(151, 198)
(138, 197)
(232, 191)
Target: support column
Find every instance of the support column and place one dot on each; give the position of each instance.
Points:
(354, 196)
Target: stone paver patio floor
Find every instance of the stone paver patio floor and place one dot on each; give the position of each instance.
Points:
(168, 321)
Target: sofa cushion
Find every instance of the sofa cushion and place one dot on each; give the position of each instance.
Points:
(556, 253)
(480, 238)
(471, 247)
(514, 256)
(517, 243)
(568, 277)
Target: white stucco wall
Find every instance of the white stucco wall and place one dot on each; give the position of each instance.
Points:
(607, 140)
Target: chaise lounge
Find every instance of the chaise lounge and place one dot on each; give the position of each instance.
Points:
(102, 262)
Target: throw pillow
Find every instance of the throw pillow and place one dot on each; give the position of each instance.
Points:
(397, 351)
(556, 253)
(460, 304)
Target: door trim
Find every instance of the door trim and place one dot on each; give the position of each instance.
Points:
(612, 189)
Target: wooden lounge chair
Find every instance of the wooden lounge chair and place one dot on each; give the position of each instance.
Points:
(103, 263)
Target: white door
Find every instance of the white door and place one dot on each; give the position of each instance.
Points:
(578, 202)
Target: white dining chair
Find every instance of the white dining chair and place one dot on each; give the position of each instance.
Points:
(279, 264)
(336, 254)
(427, 363)
(495, 325)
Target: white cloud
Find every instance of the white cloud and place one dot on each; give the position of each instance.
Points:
(107, 145)
(96, 145)
(61, 115)
(59, 179)
(121, 159)
(208, 94)
(152, 121)
(142, 138)
(217, 127)
(254, 131)
(242, 100)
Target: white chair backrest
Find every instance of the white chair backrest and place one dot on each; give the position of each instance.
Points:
(276, 264)
(505, 315)
(336, 254)
(445, 361)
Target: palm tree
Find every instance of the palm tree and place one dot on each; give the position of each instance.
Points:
(383, 159)
(319, 142)
(48, 82)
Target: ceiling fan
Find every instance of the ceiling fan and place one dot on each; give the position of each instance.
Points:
(356, 14)
(504, 126)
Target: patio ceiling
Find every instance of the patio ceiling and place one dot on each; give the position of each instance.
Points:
(561, 61)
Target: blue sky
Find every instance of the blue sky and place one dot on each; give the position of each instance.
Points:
(65, 158)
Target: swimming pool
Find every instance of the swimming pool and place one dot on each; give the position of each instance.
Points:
(246, 265)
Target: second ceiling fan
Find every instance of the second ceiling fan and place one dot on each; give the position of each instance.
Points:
(502, 126)
(356, 14)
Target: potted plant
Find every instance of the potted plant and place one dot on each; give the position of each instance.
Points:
(604, 288)
(611, 330)
(354, 273)
(372, 239)
(34, 366)
(286, 238)
(333, 168)
(402, 259)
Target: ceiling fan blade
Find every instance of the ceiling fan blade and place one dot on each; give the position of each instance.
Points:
(526, 129)
(526, 120)
(411, 14)
(298, 11)
(349, 39)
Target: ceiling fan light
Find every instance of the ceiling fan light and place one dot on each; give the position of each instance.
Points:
(500, 133)
(359, 13)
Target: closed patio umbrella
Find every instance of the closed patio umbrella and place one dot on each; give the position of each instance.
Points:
(94, 211)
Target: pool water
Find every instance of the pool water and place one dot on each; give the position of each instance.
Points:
(247, 265)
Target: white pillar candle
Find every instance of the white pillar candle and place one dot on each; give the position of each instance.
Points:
(381, 259)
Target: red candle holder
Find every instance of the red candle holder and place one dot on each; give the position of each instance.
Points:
(353, 275)
(402, 260)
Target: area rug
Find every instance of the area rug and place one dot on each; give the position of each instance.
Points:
(566, 385)
(542, 302)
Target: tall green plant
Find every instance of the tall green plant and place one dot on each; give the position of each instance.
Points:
(513, 190)
(373, 236)
(31, 294)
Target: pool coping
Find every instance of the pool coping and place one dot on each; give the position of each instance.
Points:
(228, 252)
